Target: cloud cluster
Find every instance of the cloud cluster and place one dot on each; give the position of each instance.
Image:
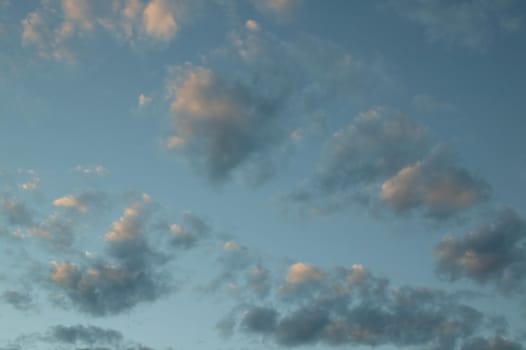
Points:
(381, 147)
(494, 253)
(472, 24)
(128, 276)
(54, 27)
(353, 307)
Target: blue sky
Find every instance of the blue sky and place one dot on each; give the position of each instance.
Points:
(228, 174)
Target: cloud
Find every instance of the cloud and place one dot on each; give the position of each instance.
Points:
(55, 28)
(352, 307)
(190, 232)
(372, 147)
(144, 100)
(16, 212)
(91, 170)
(82, 202)
(435, 184)
(88, 335)
(496, 343)
(159, 21)
(383, 148)
(494, 253)
(18, 300)
(252, 25)
(259, 320)
(85, 337)
(219, 125)
(300, 278)
(128, 276)
(472, 24)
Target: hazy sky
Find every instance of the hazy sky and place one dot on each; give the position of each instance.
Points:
(262, 174)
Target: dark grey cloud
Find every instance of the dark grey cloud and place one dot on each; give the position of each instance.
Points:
(474, 24)
(19, 300)
(260, 320)
(496, 343)
(494, 253)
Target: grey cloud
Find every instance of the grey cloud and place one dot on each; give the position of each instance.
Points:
(128, 276)
(258, 280)
(80, 337)
(494, 253)
(226, 124)
(472, 24)
(372, 147)
(496, 343)
(353, 307)
(219, 125)
(376, 143)
(89, 335)
(189, 232)
(437, 185)
(260, 320)
(383, 147)
(18, 300)
(16, 212)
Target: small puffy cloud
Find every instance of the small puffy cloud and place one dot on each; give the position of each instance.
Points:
(303, 273)
(82, 202)
(130, 225)
(159, 20)
(187, 234)
(219, 125)
(436, 185)
(301, 278)
(472, 24)
(70, 202)
(144, 100)
(252, 25)
(494, 253)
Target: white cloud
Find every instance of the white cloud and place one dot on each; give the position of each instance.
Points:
(144, 100)
(252, 25)
(159, 20)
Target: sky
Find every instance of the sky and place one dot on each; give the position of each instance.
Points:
(262, 174)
